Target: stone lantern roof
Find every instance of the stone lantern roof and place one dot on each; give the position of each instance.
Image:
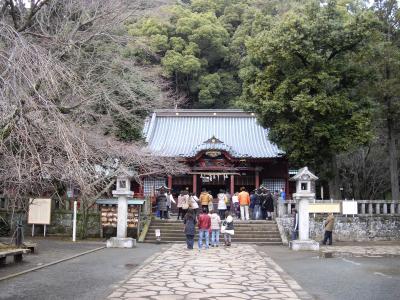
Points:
(304, 175)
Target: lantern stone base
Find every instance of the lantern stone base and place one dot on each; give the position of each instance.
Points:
(116, 242)
(298, 245)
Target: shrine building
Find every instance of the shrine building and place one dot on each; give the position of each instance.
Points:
(224, 149)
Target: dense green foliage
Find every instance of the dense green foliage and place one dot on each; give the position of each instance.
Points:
(194, 48)
(303, 81)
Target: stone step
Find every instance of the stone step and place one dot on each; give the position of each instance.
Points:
(238, 235)
(180, 230)
(234, 239)
(221, 242)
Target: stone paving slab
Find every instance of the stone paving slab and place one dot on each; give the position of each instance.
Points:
(236, 272)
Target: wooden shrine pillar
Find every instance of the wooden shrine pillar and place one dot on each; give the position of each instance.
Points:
(232, 187)
(257, 176)
(169, 181)
(195, 184)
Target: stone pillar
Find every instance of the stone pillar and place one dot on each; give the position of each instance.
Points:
(304, 220)
(398, 208)
(289, 208)
(363, 208)
(392, 208)
(122, 217)
(377, 208)
(385, 208)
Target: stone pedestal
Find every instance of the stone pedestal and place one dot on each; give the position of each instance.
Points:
(299, 245)
(116, 242)
(304, 219)
(122, 217)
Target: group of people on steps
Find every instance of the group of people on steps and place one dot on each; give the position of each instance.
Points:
(258, 205)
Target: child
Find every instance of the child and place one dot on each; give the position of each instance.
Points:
(228, 229)
(215, 226)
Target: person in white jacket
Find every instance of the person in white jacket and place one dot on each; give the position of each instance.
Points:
(215, 229)
(222, 200)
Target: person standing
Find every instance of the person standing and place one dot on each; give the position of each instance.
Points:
(328, 229)
(228, 229)
(252, 204)
(222, 200)
(204, 199)
(190, 221)
(162, 203)
(269, 204)
(295, 231)
(204, 223)
(228, 204)
(215, 227)
(193, 203)
(170, 200)
(235, 203)
(181, 199)
(244, 202)
(185, 202)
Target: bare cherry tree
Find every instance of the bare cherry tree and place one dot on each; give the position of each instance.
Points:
(68, 91)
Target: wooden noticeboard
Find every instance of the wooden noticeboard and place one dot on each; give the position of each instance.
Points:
(39, 211)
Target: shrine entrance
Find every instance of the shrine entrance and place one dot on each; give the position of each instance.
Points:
(214, 183)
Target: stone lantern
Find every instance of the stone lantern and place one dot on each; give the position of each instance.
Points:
(122, 191)
(305, 181)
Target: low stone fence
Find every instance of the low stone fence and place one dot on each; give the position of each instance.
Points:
(359, 228)
(364, 207)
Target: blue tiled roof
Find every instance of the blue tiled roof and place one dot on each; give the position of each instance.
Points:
(183, 133)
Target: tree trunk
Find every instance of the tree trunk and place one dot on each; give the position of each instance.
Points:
(334, 180)
(83, 224)
(394, 173)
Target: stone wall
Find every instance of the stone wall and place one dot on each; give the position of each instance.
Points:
(362, 228)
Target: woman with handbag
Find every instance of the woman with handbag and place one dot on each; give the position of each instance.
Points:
(227, 229)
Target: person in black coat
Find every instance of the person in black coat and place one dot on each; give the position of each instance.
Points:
(190, 222)
(162, 203)
(268, 203)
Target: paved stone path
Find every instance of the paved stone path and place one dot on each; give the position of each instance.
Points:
(236, 272)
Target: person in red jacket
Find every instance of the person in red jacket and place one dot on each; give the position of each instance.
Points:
(204, 223)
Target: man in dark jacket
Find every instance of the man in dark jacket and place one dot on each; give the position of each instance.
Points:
(204, 223)
(162, 203)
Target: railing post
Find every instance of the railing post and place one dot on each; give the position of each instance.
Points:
(385, 208)
(377, 208)
(289, 208)
(370, 208)
(363, 208)
(392, 212)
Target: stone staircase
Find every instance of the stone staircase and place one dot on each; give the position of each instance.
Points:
(249, 232)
